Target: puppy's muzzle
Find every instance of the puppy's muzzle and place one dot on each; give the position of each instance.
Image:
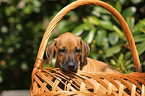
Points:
(70, 65)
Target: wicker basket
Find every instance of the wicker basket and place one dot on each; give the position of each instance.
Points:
(53, 81)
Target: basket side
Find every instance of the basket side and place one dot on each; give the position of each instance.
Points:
(62, 83)
(104, 5)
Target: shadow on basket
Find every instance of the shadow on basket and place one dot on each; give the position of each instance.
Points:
(55, 81)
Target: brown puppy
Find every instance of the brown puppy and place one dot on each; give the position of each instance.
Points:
(72, 54)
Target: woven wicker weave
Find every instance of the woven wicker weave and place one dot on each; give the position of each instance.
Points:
(53, 81)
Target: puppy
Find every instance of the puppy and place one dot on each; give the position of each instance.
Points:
(72, 54)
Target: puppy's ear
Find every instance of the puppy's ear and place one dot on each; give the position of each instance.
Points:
(50, 51)
(85, 50)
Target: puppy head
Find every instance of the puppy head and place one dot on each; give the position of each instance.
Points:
(70, 50)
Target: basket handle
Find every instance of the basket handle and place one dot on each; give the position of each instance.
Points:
(75, 4)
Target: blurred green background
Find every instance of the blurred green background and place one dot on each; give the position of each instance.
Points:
(23, 23)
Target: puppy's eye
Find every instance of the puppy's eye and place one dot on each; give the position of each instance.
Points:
(78, 51)
(61, 50)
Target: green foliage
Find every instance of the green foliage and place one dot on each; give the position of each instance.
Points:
(23, 23)
(108, 40)
(122, 64)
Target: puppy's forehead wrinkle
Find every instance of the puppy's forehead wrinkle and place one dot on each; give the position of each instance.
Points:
(68, 40)
(68, 34)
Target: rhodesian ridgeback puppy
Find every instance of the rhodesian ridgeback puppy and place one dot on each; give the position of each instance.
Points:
(72, 54)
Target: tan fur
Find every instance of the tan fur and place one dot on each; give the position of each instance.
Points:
(71, 41)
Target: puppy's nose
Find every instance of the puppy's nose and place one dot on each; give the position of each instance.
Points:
(71, 66)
